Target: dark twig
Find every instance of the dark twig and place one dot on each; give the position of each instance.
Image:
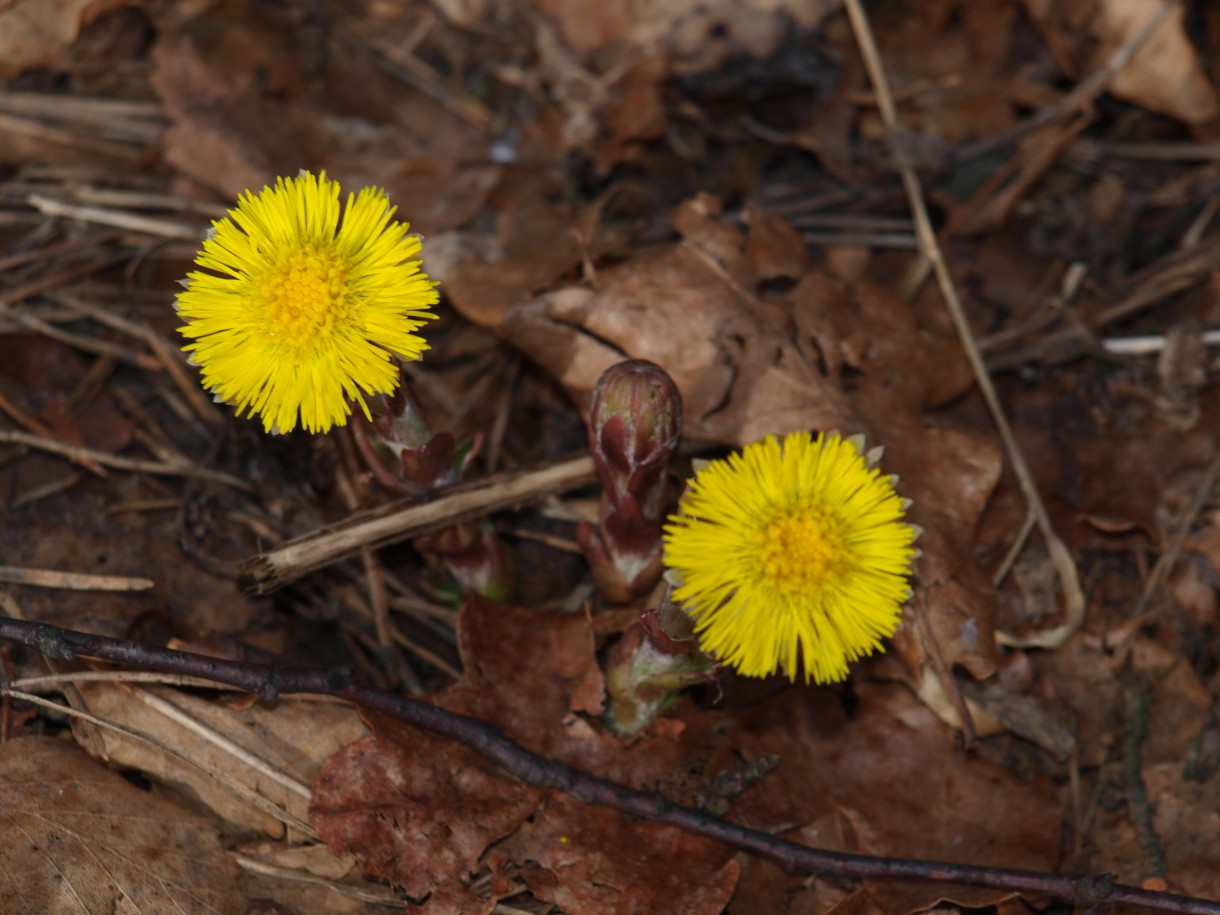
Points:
(538, 771)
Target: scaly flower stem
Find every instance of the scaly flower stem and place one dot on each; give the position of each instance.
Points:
(486, 739)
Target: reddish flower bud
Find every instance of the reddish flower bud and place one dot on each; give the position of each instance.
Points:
(655, 659)
(634, 424)
(401, 450)
(472, 557)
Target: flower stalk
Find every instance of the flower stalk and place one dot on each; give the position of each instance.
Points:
(634, 424)
(657, 658)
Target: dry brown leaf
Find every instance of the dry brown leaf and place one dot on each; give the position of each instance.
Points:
(1081, 682)
(1165, 76)
(63, 533)
(812, 896)
(529, 699)
(39, 376)
(76, 837)
(594, 860)
(1180, 704)
(907, 790)
(230, 133)
(535, 243)
(422, 811)
(1186, 816)
(587, 25)
(416, 809)
(687, 307)
(776, 250)
(699, 35)
(291, 737)
(953, 62)
(36, 33)
(1125, 473)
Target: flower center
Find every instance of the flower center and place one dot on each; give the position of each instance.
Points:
(304, 297)
(799, 552)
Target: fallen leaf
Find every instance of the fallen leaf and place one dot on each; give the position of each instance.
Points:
(416, 809)
(1185, 815)
(61, 532)
(1081, 683)
(40, 376)
(231, 134)
(699, 35)
(76, 837)
(1179, 703)
(967, 83)
(35, 33)
(587, 25)
(1164, 76)
(776, 250)
(907, 790)
(685, 308)
(422, 811)
(594, 860)
(292, 738)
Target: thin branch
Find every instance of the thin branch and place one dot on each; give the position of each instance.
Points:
(406, 518)
(539, 771)
(72, 581)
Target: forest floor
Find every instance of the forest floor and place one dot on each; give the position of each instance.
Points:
(711, 186)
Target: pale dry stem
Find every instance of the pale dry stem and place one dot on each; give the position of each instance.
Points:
(409, 518)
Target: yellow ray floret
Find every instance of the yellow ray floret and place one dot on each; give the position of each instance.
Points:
(305, 303)
(791, 554)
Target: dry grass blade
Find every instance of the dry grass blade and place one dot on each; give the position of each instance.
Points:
(214, 737)
(106, 459)
(1069, 580)
(55, 682)
(376, 897)
(1169, 558)
(118, 219)
(72, 581)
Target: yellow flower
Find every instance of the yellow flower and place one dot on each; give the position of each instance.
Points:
(303, 308)
(791, 553)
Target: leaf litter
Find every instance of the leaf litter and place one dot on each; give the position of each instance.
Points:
(707, 186)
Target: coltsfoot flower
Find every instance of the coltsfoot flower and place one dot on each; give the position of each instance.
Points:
(304, 306)
(792, 554)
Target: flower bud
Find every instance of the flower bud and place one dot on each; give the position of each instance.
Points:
(655, 659)
(473, 558)
(634, 424)
(401, 450)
